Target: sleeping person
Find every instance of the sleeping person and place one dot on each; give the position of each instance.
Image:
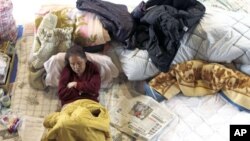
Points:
(80, 79)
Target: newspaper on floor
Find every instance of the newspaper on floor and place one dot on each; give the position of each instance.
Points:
(31, 128)
(141, 117)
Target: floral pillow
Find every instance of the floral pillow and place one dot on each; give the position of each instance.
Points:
(89, 30)
(64, 14)
(52, 40)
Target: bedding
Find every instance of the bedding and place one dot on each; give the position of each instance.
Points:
(199, 78)
(51, 39)
(136, 63)
(88, 30)
(205, 118)
(84, 120)
(221, 36)
(229, 5)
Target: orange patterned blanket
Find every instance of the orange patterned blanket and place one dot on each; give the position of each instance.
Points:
(198, 78)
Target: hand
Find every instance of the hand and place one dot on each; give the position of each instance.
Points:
(71, 84)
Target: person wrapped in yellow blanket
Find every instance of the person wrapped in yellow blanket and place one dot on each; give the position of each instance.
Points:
(81, 120)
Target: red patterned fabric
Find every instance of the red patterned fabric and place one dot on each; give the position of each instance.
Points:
(8, 30)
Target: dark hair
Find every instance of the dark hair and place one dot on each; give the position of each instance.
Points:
(74, 50)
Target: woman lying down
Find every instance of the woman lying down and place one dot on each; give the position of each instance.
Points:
(81, 117)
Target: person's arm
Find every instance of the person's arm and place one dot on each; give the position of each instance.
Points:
(92, 86)
(64, 92)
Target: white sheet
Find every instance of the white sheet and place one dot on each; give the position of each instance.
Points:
(202, 119)
(205, 118)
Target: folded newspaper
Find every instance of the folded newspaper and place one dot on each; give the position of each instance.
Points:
(141, 117)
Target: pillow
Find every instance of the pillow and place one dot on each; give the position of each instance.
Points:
(52, 42)
(55, 64)
(89, 30)
(51, 39)
(49, 21)
(136, 64)
(65, 14)
(8, 30)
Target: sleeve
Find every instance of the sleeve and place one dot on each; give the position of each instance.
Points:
(64, 92)
(92, 86)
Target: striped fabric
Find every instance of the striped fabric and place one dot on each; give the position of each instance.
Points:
(8, 30)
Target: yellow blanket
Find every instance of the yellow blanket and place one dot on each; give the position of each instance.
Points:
(198, 78)
(82, 120)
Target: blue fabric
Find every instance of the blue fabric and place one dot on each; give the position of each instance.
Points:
(152, 93)
(19, 31)
(14, 70)
(234, 104)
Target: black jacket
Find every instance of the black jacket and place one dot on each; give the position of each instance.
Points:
(161, 27)
(114, 17)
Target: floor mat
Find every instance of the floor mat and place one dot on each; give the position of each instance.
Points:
(26, 100)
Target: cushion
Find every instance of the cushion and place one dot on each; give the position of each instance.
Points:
(64, 13)
(55, 64)
(52, 40)
(49, 22)
(89, 30)
(136, 64)
(8, 30)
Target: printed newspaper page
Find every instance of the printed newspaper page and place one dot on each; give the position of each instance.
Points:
(141, 117)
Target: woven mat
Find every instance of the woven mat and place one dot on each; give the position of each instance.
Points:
(26, 100)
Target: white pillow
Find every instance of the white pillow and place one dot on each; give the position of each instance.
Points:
(136, 64)
(55, 64)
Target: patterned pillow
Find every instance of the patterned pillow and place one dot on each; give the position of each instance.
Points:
(89, 30)
(49, 21)
(8, 30)
(52, 41)
(65, 14)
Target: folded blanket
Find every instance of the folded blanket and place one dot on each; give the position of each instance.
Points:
(198, 78)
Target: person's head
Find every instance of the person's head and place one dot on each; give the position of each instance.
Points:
(76, 58)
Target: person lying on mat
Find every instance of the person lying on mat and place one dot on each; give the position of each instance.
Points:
(80, 78)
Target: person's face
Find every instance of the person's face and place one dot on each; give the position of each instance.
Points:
(77, 64)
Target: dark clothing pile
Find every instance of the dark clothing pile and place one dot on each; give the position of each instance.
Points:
(160, 25)
(114, 17)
